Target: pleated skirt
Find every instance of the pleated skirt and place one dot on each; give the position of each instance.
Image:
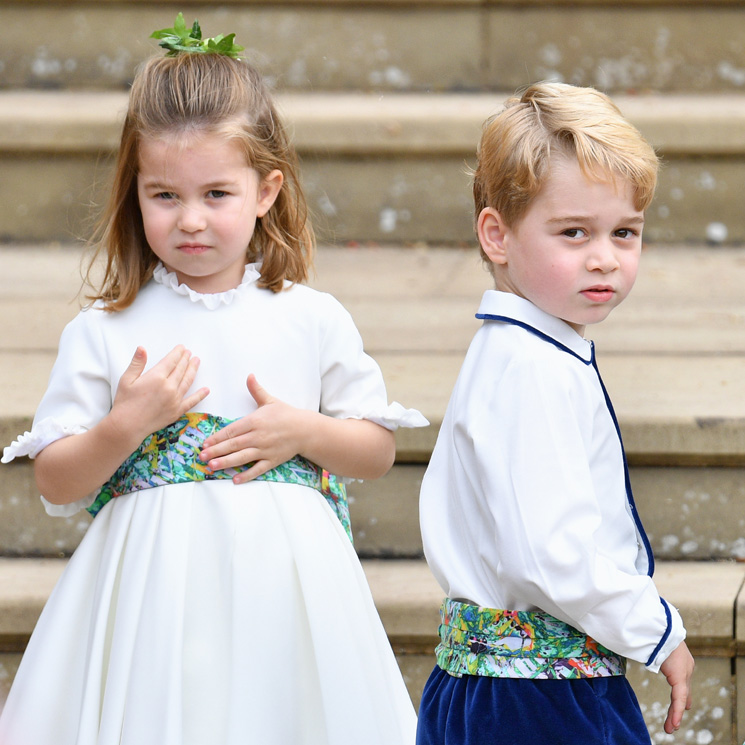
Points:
(208, 613)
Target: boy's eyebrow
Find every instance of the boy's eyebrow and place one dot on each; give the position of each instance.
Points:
(634, 220)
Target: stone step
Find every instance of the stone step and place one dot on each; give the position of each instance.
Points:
(671, 356)
(708, 594)
(384, 168)
(393, 45)
(688, 514)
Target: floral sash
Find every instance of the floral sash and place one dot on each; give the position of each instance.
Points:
(171, 456)
(518, 644)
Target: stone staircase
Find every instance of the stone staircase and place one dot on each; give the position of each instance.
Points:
(386, 99)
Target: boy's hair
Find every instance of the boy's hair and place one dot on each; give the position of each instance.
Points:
(518, 143)
(202, 94)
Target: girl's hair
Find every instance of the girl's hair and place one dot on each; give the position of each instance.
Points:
(517, 145)
(202, 94)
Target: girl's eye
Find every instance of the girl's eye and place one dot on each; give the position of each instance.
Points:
(216, 194)
(165, 195)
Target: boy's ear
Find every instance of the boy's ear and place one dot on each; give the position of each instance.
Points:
(491, 231)
(268, 191)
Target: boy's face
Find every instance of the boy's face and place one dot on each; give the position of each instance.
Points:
(575, 252)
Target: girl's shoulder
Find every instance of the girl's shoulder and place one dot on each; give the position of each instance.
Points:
(310, 299)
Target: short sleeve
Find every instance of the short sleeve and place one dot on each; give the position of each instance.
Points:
(77, 397)
(352, 385)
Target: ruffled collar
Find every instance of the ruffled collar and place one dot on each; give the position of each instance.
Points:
(210, 300)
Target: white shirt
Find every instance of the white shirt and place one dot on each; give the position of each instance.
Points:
(525, 504)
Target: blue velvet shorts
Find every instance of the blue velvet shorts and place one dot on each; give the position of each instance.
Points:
(474, 710)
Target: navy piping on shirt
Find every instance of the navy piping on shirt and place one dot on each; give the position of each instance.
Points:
(609, 405)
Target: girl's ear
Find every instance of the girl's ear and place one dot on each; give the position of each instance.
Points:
(491, 231)
(268, 191)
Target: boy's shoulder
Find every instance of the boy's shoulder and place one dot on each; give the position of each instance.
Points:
(525, 331)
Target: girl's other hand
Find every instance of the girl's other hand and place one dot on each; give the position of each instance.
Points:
(148, 401)
(266, 438)
(276, 432)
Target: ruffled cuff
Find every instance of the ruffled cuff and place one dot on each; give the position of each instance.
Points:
(66, 510)
(32, 443)
(394, 416)
(42, 434)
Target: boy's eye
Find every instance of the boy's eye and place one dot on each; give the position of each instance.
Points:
(626, 233)
(574, 232)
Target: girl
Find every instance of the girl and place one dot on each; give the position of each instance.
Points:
(209, 602)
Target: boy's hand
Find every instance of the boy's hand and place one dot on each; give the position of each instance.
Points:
(677, 669)
(147, 402)
(267, 437)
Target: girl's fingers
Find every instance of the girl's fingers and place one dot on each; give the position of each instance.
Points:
(136, 366)
(235, 459)
(180, 365)
(195, 398)
(188, 375)
(171, 360)
(229, 435)
(258, 469)
(229, 446)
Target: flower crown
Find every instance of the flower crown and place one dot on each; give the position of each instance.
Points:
(179, 40)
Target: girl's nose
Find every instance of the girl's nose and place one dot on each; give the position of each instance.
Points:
(190, 219)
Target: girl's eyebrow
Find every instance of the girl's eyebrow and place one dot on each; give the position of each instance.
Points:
(165, 186)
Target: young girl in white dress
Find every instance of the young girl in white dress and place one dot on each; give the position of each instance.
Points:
(209, 601)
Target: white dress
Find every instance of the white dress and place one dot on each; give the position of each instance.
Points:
(207, 613)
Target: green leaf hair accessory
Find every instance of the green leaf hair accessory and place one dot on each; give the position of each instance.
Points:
(180, 39)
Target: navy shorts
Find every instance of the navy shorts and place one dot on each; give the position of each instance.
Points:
(476, 710)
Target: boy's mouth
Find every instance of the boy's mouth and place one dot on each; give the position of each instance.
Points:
(599, 294)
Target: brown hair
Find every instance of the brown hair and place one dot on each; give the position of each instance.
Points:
(213, 94)
(516, 146)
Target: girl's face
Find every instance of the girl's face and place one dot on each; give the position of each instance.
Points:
(199, 201)
(575, 252)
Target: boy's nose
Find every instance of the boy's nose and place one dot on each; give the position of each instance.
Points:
(603, 257)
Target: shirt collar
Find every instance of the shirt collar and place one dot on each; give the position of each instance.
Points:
(513, 308)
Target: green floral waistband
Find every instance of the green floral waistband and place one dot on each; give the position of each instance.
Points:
(518, 644)
(171, 456)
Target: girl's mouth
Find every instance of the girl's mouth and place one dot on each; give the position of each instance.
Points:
(192, 248)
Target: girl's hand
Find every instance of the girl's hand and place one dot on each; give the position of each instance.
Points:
(71, 467)
(267, 437)
(147, 402)
(276, 432)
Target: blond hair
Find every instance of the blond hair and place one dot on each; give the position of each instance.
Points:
(547, 119)
(215, 95)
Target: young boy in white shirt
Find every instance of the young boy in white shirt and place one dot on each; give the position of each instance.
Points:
(527, 516)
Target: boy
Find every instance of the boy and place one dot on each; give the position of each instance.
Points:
(527, 515)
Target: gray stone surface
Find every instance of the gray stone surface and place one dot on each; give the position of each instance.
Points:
(306, 46)
(385, 46)
(413, 149)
